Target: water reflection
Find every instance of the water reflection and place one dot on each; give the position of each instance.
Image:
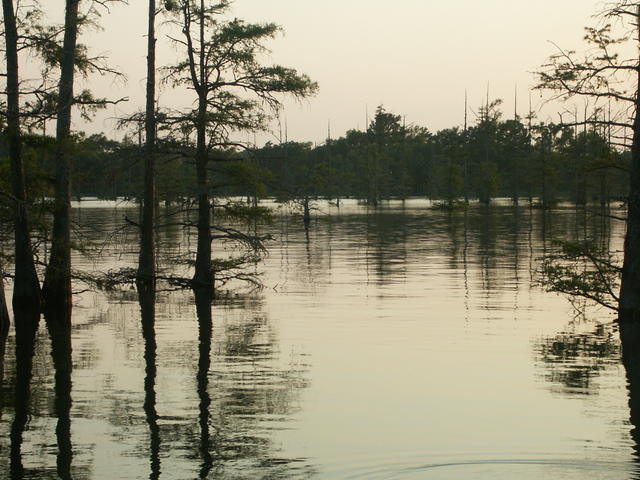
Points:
(204, 298)
(5, 323)
(26, 326)
(375, 327)
(574, 358)
(147, 300)
(59, 327)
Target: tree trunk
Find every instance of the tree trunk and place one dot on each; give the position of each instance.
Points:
(203, 277)
(306, 217)
(629, 305)
(57, 282)
(147, 259)
(26, 286)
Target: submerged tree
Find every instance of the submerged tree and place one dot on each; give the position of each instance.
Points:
(222, 66)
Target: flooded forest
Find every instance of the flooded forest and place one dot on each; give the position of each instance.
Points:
(180, 300)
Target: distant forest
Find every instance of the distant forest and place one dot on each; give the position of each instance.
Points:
(495, 157)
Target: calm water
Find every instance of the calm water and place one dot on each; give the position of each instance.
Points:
(402, 343)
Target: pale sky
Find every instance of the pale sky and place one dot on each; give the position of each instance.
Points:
(416, 57)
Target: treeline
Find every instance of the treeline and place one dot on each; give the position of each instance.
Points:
(493, 158)
(514, 158)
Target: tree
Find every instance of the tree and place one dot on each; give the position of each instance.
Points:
(608, 73)
(147, 259)
(26, 289)
(222, 67)
(57, 280)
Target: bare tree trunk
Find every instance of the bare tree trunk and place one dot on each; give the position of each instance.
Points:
(630, 287)
(629, 308)
(57, 281)
(203, 276)
(26, 286)
(306, 217)
(147, 259)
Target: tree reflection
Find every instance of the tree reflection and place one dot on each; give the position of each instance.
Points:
(59, 327)
(203, 310)
(147, 300)
(574, 359)
(26, 322)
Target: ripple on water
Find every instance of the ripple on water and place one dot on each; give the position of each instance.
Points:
(523, 467)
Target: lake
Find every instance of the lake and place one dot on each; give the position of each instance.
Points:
(403, 342)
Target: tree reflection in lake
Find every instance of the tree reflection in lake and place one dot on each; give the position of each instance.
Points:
(574, 358)
(59, 327)
(147, 300)
(25, 344)
(205, 326)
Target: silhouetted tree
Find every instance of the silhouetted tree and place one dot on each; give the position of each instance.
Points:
(147, 259)
(221, 66)
(26, 286)
(57, 281)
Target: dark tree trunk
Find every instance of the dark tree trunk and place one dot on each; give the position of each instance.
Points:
(26, 286)
(306, 217)
(629, 305)
(147, 259)
(203, 276)
(57, 281)
(630, 287)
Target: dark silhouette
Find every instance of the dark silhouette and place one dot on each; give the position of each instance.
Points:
(147, 259)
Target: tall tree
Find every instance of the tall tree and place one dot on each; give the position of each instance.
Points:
(223, 68)
(26, 286)
(57, 281)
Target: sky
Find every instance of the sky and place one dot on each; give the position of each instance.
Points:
(414, 57)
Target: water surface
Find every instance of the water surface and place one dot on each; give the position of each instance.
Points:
(402, 342)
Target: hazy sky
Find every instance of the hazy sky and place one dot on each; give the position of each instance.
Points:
(416, 57)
